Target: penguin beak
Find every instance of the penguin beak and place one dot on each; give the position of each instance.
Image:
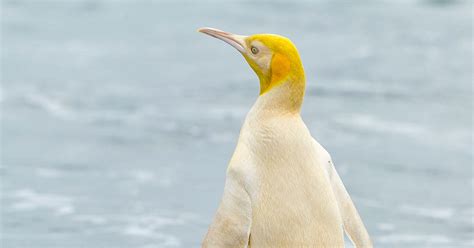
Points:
(237, 41)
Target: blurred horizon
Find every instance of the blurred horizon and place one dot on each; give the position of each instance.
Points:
(118, 119)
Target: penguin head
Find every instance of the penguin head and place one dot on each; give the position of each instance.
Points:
(274, 58)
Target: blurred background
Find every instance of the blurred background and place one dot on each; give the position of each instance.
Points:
(118, 119)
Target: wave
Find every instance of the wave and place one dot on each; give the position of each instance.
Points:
(51, 105)
(27, 200)
(59, 108)
(435, 213)
(369, 122)
(408, 238)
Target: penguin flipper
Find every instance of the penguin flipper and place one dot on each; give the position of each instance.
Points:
(352, 223)
(231, 224)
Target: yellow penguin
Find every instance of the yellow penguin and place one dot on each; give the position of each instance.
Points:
(281, 188)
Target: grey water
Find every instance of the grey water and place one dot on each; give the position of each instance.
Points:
(118, 119)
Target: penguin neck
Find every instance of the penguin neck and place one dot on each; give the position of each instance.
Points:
(282, 100)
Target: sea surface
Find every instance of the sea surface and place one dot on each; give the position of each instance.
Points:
(118, 119)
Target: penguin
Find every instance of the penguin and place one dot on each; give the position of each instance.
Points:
(281, 187)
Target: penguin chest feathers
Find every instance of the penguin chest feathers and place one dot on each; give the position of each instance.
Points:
(291, 196)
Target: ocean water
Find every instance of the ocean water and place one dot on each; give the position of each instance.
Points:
(118, 119)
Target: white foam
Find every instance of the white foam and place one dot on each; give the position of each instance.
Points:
(157, 222)
(386, 226)
(28, 200)
(58, 107)
(167, 240)
(435, 213)
(404, 238)
(143, 231)
(163, 177)
(151, 226)
(51, 105)
(365, 87)
(371, 123)
(137, 230)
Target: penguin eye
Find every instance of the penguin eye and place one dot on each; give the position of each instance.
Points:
(254, 50)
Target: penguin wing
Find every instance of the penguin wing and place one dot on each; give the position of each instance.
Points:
(231, 225)
(352, 223)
